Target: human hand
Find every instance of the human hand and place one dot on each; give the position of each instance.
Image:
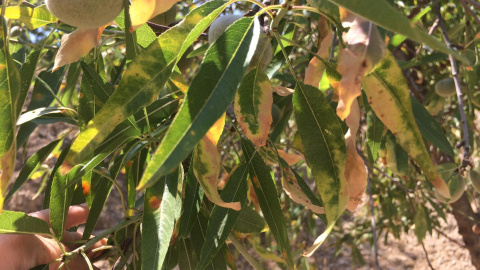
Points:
(24, 251)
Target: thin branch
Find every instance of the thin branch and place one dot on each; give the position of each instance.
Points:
(473, 3)
(426, 256)
(471, 12)
(449, 238)
(466, 141)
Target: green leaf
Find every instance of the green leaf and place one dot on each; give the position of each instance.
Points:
(10, 86)
(144, 34)
(19, 222)
(60, 200)
(223, 219)
(143, 80)
(325, 152)
(326, 8)
(189, 260)
(268, 198)
(389, 97)
(253, 106)
(31, 166)
(191, 205)
(249, 221)
(26, 74)
(430, 129)
(48, 188)
(380, 12)
(172, 257)
(198, 235)
(375, 129)
(159, 218)
(420, 223)
(33, 18)
(102, 191)
(210, 93)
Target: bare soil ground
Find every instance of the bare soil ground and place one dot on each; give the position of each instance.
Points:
(405, 253)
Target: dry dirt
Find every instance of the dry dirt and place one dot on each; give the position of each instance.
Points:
(405, 253)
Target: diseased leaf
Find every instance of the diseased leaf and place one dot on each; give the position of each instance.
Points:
(9, 94)
(325, 152)
(364, 50)
(385, 15)
(316, 68)
(267, 194)
(75, 45)
(143, 80)
(143, 10)
(33, 18)
(159, 218)
(222, 219)
(211, 92)
(206, 164)
(355, 171)
(389, 97)
(253, 106)
(295, 192)
(18, 222)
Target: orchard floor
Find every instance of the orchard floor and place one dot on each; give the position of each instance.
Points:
(405, 253)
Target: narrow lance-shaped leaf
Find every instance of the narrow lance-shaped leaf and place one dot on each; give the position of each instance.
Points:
(222, 219)
(389, 97)
(198, 235)
(253, 106)
(375, 129)
(9, 94)
(191, 205)
(18, 222)
(210, 93)
(159, 218)
(325, 152)
(382, 13)
(31, 166)
(267, 195)
(355, 171)
(143, 80)
(60, 200)
(316, 68)
(430, 129)
(364, 50)
(206, 164)
(189, 258)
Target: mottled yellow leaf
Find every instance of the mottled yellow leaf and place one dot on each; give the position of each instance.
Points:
(206, 164)
(75, 45)
(253, 106)
(293, 190)
(389, 97)
(143, 10)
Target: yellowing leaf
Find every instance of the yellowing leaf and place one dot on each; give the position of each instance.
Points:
(355, 171)
(364, 49)
(143, 10)
(389, 97)
(75, 45)
(293, 190)
(253, 106)
(206, 165)
(33, 18)
(315, 69)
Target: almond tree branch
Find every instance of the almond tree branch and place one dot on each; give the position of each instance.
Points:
(466, 141)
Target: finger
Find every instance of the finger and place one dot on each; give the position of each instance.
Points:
(77, 214)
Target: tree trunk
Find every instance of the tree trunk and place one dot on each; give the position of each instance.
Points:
(462, 210)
